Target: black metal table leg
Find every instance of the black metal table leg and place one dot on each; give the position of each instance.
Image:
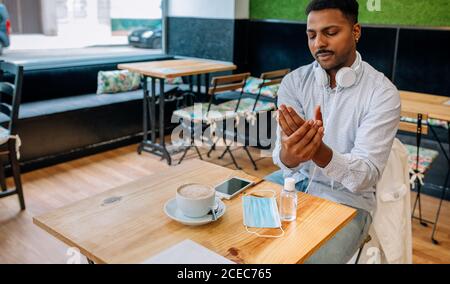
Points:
(144, 113)
(199, 88)
(165, 153)
(153, 111)
(149, 113)
(207, 84)
(191, 83)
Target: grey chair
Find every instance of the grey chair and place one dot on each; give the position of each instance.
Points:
(252, 108)
(10, 97)
(203, 115)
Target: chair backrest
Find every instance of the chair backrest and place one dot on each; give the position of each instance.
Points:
(273, 77)
(228, 83)
(10, 94)
(391, 226)
(269, 79)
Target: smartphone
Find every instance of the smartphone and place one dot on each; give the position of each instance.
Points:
(232, 187)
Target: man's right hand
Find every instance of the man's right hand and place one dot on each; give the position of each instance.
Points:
(302, 140)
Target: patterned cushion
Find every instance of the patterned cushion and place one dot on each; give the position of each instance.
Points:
(110, 82)
(431, 121)
(252, 87)
(426, 157)
(246, 105)
(199, 113)
(174, 81)
(4, 135)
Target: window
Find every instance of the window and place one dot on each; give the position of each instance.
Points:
(83, 23)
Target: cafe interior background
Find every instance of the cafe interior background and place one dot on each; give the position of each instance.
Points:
(77, 143)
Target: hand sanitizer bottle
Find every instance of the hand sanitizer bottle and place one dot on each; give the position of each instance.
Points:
(288, 201)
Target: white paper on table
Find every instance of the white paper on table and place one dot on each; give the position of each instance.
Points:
(187, 252)
(447, 103)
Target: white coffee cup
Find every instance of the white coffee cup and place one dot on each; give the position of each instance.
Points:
(195, 200)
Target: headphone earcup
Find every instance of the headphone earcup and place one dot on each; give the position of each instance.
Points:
(321, 76)
(346, 77)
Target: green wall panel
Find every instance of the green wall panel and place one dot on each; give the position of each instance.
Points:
(393, 12)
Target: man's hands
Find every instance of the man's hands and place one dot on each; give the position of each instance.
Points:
(301, 140)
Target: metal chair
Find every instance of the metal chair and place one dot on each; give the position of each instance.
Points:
(252, 107)
(420, 160)
(361, 248)
(10, 97)
(270, 79)
(201, 113)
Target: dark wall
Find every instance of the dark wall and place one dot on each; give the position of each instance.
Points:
(377, 47)
(275, 45)
(203, 38)
(422, 63)
(240, 45)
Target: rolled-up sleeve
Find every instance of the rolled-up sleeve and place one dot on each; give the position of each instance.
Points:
(363, 166)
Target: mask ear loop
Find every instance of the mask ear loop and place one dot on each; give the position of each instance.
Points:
(311, 179)
(266, 236)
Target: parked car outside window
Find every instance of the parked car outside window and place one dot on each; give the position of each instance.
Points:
(146, 38)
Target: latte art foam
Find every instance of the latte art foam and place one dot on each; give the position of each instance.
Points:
(195, 191)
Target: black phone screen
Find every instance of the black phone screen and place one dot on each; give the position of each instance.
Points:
(232, 186)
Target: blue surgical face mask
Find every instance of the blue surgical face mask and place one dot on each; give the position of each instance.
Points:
(261, 212)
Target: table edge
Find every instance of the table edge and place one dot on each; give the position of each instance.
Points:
(331, 235)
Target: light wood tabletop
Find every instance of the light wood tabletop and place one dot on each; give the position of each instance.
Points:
(437, 107)
(135, 228)
(177, 67)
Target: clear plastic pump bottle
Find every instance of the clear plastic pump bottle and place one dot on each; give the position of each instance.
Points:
(288, 201)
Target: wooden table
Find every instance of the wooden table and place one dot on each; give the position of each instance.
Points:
(161, 70)
(135, 228)
(437, 107)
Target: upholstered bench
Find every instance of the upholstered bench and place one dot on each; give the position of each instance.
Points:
(61, 116)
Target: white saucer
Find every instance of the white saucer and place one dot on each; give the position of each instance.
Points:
(171, 210)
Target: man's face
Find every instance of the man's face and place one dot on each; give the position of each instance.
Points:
(331, 38)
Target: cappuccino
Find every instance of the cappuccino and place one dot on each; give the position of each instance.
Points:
(195, 191)
(195, 200)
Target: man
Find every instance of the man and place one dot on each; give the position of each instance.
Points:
(353, 113)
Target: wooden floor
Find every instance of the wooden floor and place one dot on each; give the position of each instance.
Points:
(53, 187)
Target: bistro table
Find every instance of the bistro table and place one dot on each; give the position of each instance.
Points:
(437, 107)
(162, 70)
(127, 224)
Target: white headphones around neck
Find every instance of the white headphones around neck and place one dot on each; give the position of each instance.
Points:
(345, 77)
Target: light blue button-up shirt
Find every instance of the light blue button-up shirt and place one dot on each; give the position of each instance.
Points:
(360, 125)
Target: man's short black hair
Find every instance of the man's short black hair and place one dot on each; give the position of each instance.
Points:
(348, 7)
